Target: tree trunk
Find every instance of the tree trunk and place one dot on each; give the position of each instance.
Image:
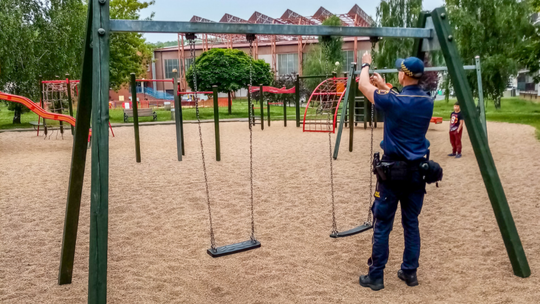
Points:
(17, 115)
(498, 103)
(230, 103)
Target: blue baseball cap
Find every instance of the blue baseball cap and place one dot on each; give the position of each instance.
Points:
(412, 67)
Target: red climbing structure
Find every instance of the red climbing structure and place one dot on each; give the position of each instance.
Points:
(326, 99)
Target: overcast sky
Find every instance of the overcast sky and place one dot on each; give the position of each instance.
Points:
(174, 10)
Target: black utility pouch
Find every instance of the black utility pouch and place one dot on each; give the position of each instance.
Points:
(398, 171)
(378, 169)
(381, 171)
(432, 172)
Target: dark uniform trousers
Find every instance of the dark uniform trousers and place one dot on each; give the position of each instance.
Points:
(411, 195)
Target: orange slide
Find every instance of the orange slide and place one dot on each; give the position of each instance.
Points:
(34, 107)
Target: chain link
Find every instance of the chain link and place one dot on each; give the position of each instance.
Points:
(370, 214)
(191, 40)
(250, 39)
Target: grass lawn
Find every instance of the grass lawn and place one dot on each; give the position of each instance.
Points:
(513, 110)
(6, 118)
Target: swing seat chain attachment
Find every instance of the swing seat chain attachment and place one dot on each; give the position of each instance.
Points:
(252, 243)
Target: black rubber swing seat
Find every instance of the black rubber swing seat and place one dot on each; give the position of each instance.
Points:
(355, 230)
(233, 248)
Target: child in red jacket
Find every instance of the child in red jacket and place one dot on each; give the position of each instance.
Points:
(456, 130)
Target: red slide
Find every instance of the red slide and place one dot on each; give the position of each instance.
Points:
(34, 107)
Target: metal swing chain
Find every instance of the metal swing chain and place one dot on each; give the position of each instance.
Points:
(250, 38)
(191, 39)
(334, 224)
(370, 214)
(330, 124)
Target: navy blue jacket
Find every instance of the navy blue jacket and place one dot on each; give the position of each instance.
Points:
(406, 121)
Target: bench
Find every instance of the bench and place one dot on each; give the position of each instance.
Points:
(40, 125)
(36, 124)
(141, 113)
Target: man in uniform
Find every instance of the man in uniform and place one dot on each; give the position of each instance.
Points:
(407, 118)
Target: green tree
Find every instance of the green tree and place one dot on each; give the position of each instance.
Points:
(321, 58)
(492, 29)
(37, 38)
(229, 70)
(528, 53)
(395, 13)
(46, 38)
(129, 51)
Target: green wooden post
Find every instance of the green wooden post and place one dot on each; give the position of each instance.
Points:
(229, 102)
(216, 122)
(253, 114)
(42, 102)
(366, 112)
(178, 119)
(59, 100)
(352, 113)
(99, 197)
(374, 116)
(262, 106)
(284, 111)
(135, 118)
(297, 99)
(417, 46)
(78, 160)
(250, 108)
(479, 142)
(345, 100)
(268, 111)
(70, 102)
(181, 121)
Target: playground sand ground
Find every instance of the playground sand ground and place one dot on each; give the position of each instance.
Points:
(158, 220)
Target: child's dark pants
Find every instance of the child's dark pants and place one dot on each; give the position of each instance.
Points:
(455, 140)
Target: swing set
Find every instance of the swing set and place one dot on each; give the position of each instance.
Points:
(433, 33)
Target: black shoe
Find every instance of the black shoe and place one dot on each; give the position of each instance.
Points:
(458, 155)
(410, 279)
(452, 154)
(366, 281)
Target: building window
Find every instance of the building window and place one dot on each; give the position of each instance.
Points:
(348, 57)
(287, 64)
(188, 63)
(170, 64)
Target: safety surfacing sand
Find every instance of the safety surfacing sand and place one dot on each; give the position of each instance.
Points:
(159, 232)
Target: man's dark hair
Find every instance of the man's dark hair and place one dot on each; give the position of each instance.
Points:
(457, 103)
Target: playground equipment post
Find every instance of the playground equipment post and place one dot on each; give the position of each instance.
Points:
(60, 104)
(267, 108)
(352, 112)
(70, 102)
(297, 99)
(42, 103)
(216, 122)
(284, 110)
(178, 120)
(135, 118)
(262, 106)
